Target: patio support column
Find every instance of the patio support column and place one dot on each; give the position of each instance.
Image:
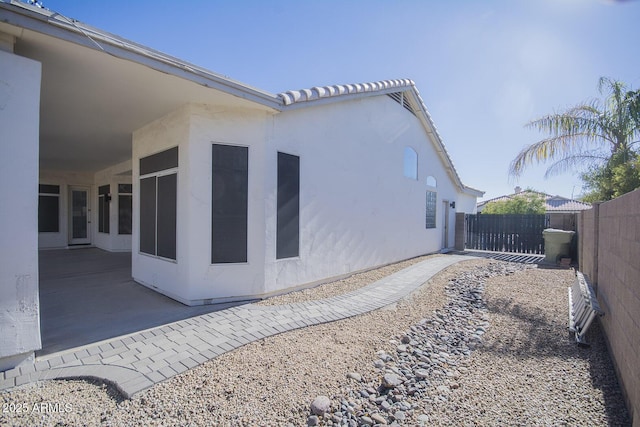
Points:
(19, 120)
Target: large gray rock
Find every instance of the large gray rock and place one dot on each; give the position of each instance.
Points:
(378, 419)
(320, 405)
(367, 421)
(354, 376)
(391, 380)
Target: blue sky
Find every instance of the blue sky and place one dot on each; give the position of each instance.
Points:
(484, 68)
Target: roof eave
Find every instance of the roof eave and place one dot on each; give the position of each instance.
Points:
(56, 25)
(322, 95)
(472, 191)
(432, 131)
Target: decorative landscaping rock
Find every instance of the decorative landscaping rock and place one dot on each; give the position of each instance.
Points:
(320, 405)
(378, 419)
(391, 380)
(354, 376)
(428, 359)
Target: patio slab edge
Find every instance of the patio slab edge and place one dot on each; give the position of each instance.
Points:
(135, 362)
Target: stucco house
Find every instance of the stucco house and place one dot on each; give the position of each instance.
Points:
(220, 191)
(552, 204)
(560, 210)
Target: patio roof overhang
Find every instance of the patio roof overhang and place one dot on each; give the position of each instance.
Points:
(94, 95)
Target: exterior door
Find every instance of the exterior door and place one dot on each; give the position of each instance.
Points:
(445, 224)
(79, 216)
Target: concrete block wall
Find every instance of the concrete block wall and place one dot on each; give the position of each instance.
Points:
(612, 252)
(588, 242)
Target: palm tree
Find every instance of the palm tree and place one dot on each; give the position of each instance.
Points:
(588, 134)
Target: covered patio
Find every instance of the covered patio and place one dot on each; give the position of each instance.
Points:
(87, 295)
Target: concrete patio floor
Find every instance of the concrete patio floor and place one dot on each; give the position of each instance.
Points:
(135, 362)
(87, 295)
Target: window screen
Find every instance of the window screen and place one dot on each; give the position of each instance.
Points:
(48, 208)
(288, 213)
(166, 214)
(148, 215)
(229, 203)
(159, 162)
(158, 204)
(125, 208)
(104, 199)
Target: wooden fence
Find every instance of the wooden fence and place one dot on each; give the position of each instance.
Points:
(505, 233)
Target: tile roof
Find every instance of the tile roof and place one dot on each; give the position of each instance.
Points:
(552, 203)
(557, 203)
(318, 92)
(78, 32)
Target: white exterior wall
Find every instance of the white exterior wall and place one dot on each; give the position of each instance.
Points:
(209, 125)
(19, 302)
(192, 279)
(165, 276)
(112, 241)
(466, 203)
(357, 209)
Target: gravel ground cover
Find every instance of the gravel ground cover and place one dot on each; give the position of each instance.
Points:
(482, 343)
(343, 286)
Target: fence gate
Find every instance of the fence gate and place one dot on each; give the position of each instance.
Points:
(505, 233)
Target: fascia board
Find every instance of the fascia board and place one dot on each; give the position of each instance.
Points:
(425, 119)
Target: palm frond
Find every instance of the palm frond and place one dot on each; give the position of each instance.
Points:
(586, 133)
(579, 121)
(562, 146)
(573, 163)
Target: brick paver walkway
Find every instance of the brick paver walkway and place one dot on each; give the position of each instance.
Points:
(135, 362)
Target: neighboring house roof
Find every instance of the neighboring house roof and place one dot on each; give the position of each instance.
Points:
(552, 203)
(56, 25)
(561, 204)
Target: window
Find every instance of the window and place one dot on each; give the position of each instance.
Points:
(410, 163)
(158, 203)
(431, 181)
(125, 208)
(229, 202)
(48, 208)
(288, 214)
(104, 199)
(432, 198)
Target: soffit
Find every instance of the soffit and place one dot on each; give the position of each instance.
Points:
(92, 101)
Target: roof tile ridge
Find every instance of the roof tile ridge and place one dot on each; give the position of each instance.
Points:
(316, 92)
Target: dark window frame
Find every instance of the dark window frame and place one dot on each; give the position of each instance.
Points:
(288, 206)
(48, 203)
(158, 194)
(125, 216)
(229, 203)
(104, 210)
